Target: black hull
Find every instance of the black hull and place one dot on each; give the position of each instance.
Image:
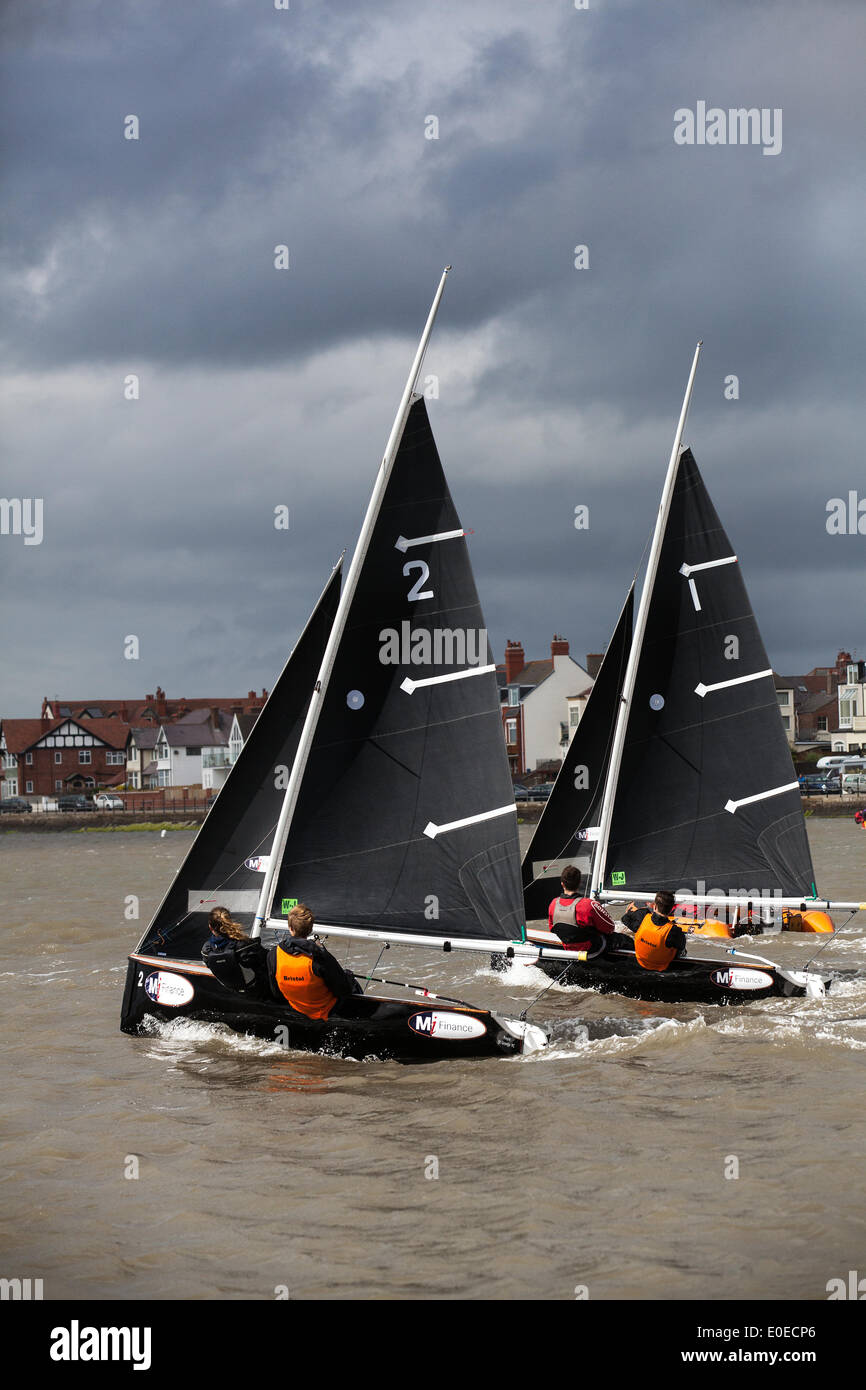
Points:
(368, 1026)
(706, 980)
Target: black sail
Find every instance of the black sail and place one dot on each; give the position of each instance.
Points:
(574, 805)
(240, 825)
(707, 796)
(393, 766)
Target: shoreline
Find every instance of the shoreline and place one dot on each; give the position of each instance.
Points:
(528, 812)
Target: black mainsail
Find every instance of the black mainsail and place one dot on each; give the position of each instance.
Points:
(706, 797)
(405, 820)
(240, 824)
(566, 832)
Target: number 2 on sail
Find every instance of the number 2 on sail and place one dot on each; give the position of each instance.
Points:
(414, 592)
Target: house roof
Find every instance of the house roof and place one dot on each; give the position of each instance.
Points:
(23, 734)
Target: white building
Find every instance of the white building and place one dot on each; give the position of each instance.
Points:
(541, 703)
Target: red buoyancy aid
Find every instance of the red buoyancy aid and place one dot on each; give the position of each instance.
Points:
(649, 944)
(579, 912)
(302, 988)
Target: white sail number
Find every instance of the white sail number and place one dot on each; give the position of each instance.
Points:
(415, 592)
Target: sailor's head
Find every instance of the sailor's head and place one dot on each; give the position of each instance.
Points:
(664, 902)
(300, 920)
(571, 879)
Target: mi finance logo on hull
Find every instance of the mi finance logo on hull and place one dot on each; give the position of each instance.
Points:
(164, 987)
(437, 1023)
(737, 978)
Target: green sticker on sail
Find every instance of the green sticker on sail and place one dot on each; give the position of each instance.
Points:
(288, 904)
(617, 879)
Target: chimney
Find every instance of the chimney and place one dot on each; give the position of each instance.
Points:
(124, 712)
(559, 646)
(593, 663)
(161, 707)
(514, 661)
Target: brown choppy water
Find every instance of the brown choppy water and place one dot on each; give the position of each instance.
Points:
(600, 1162)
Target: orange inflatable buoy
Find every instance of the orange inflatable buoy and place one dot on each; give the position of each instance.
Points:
(816, 922)
(710, 926)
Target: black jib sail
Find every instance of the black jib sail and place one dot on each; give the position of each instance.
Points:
(223, 866)
(565, 832)
(707, 797)
(405, 820)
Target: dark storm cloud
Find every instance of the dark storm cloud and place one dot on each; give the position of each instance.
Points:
(559, 386)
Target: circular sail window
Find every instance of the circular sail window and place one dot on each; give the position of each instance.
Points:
(657, 701)
(354, 699)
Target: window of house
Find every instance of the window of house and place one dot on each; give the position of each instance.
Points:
(514, 695)
(29, 760)
(574, 716)
(783, 696)
(193, 752)
(511, 731)
(58, 757)
(28, 786)
(58, 785)
(822, 723)
(116, 759)
(84, 755)
(786, 721)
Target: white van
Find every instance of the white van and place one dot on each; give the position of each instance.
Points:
(854, 782)
(841, 760)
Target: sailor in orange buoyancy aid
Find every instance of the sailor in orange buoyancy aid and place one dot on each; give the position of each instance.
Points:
(580, 923)
(657, 939)
(303, 973)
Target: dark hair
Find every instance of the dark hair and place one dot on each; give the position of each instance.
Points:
(665, 902)
(571, 879)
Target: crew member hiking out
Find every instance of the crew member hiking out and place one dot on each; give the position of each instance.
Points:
(580, 923)
(657, 939)
(304, 973)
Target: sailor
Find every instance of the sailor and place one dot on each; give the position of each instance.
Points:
(234, 958)
(303, 973)
(860, 817)
(658, 940)
(580, 923)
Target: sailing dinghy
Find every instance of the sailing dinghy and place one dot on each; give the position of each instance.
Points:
(679, 775)
(374, 787)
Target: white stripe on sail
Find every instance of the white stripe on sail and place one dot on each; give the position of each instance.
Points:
(707, 565)
(409, 685)
(403, 543)
(733, 806)
(203, 899)
(432, 830)
(703, 690)
(689, 570)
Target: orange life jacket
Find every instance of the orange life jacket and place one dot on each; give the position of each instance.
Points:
(301, 987)
(649, 944)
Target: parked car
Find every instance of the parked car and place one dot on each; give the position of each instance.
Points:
(73, 803)
(14, 805)
(854, 782)
(521, 793)
(820, 783)
(540, 793)
(103, 801)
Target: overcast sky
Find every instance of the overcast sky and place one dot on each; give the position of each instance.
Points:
(557, 386)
